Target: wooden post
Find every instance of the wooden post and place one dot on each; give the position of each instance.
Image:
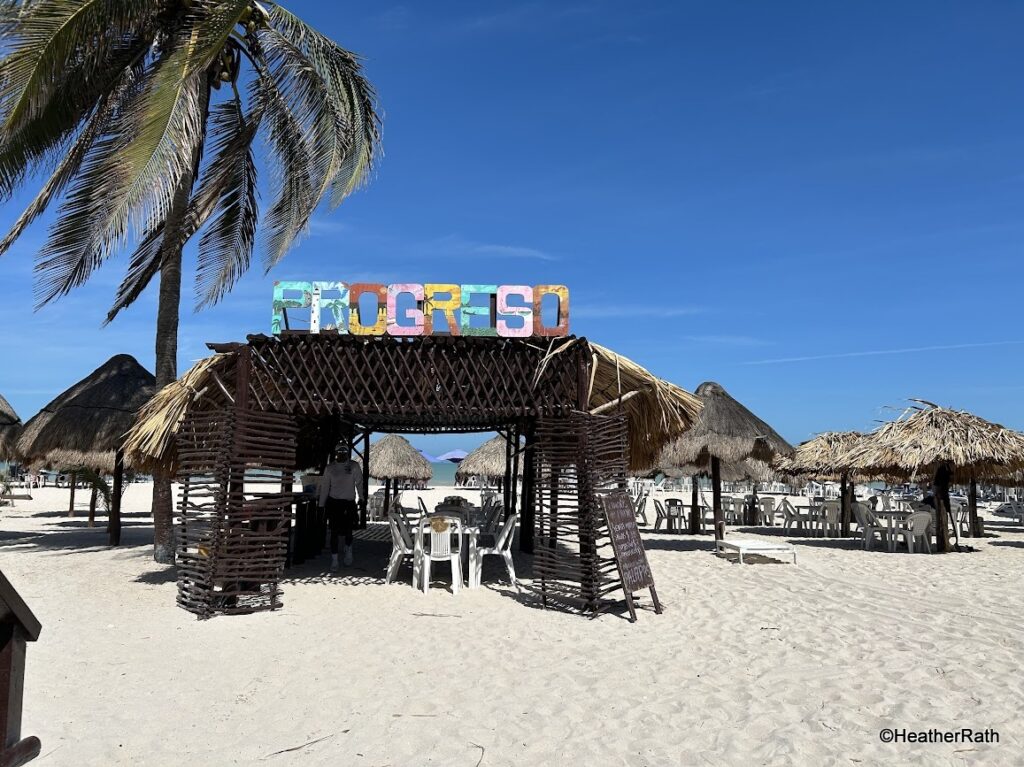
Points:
(941, 488)
(846, 502)
(387, 496)
(364, 491)
(92, 506)
(716, 497)
(507, 486)
(973, 523)
(114, 523)
(529, 516)
(71, 503)
(514, 495)
(695, 512)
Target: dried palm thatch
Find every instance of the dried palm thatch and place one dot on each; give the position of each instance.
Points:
(725, 430)
(926, 436)
(87, 423)
(149, 444)
(657, 411)
(393, 458)
(749, 469)
(486, 461)
(824, 457)
(10, 429)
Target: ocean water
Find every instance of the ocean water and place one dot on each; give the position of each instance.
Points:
(444, 473)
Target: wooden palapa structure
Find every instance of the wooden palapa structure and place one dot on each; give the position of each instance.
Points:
(584, 416)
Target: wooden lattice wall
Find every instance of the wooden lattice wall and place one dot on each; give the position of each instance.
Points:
(233, 533)
(577, 459)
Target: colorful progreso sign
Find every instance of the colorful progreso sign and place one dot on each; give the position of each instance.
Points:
(409, 309)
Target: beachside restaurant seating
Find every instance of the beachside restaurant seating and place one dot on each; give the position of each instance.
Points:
(672, 513)
(490, 544)
(790, 516)
(444, 533)
(766, 508)
(640, 505)
(917, 526)
(402, 547)
(870, 526)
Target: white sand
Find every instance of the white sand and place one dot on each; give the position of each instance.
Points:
(754, 664)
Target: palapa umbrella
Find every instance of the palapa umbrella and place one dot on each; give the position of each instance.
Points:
(725, 432)
(826, 457)
(10, 428)
(489, 461)
(85, 426)
(393, 459)
(948, 445)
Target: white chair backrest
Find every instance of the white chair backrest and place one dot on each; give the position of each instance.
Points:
(401, 536)
(918, 522)
(445, 535)
(659, 508)
(787, 508)
(423, 506)
(767, 504)
(886, 502)
(505, 536)
(860, 511)
(492, 517)
(831, 511)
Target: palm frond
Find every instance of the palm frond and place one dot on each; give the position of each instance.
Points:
(131, 175)
(225, 249)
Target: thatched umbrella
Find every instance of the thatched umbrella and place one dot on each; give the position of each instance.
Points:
(85, 426)
(10, 428)
(725, 432)
(487, 461)
(393, 459)
(827, 457)
(948, 445)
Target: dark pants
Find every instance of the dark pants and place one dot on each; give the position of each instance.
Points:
(341, 516)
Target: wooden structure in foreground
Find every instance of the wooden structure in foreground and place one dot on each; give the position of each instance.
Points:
(259, 410)
(17, 627)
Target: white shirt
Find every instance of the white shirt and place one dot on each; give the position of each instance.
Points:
(340, 481)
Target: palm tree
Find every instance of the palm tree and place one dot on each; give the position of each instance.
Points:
(146, 114)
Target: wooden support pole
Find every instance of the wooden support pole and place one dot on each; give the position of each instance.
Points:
(528, 520)
(514, 506)
(92, 506)
(507, 487)
(973, 523)
(364, 491)
(716, 497)
(695, 511)
(846, 502)
(114, 523)
(387, 496)
(71, 503)
(941, 487)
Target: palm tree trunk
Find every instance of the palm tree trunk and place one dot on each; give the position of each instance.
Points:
(167, 340)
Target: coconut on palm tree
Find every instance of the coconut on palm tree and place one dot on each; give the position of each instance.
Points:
(146, 115)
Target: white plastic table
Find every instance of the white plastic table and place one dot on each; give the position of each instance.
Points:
(891, 518)
(747, 546)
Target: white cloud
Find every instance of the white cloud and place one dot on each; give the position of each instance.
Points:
(881, 352)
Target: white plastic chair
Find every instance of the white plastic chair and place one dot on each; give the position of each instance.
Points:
(402, 546)
(492, 517)
(831, 518)
(767, 507)
(918, 525)
(791, 516)
(502, 547)
(441, 529)
(869, 526)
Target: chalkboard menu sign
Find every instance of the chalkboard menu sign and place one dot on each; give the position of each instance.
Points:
(634, 570)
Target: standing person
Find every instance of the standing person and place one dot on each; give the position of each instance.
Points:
(342, 479)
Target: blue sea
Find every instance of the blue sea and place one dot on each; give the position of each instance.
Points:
(444, 473)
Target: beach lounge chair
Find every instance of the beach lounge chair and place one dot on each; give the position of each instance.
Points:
(501, 546)
(869, 526)
(402, 547)
(444, 533)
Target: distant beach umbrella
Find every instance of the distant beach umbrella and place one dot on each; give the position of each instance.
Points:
(393, 459)
(10, 429)
(488, 462)
(946, 445)
(85, 426)
(725, 432)
(455, 456)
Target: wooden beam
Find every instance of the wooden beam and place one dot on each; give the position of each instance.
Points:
(114, 523)
(716, 497)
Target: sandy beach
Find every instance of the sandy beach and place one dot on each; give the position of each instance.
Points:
(761, 663)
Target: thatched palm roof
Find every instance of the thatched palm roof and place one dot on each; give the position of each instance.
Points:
(488, 461)
(10, 428)
(747, 469)
(824, 457)
(86, 424)
(392, 457)
(927, 435)
(725, 430)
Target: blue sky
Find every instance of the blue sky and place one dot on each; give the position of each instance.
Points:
(816, 204)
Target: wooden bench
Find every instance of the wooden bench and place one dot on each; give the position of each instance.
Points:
(743, 546)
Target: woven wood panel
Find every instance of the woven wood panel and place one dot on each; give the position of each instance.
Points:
(235, 520)
(578, 458)
(429, 383)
